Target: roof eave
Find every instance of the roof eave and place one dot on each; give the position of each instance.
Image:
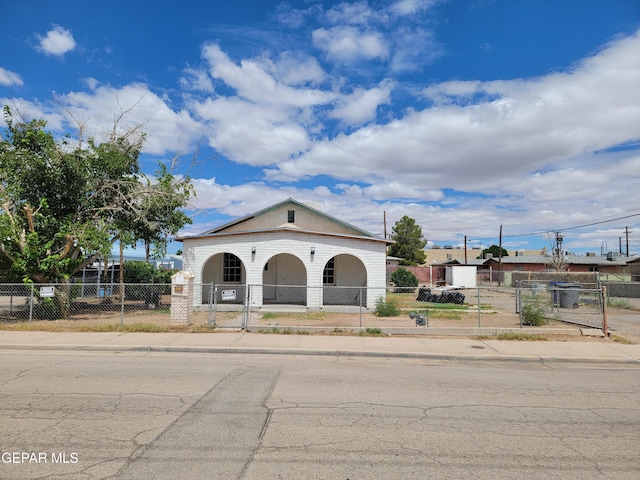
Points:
(291, 230)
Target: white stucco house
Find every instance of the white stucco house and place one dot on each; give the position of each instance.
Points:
(289, 253)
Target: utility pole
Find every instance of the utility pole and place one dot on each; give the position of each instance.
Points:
(559, 239)
(626, 231)
(465, 249)
(500, 259)
(385, 224)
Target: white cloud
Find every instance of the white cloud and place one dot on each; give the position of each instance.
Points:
(197, 80)
(360, 106)
(271, 114)
(167, 130)
(23, 109)
(357, 13)
(348, 43)
(251, 133)
(252, 81)
(9, 78)
(515, 126)
(293, 17)
(399, 190)
(410, 7)
(57, 41)
(528, 153)
(295, 68)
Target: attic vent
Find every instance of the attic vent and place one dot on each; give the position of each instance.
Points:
(291, 216)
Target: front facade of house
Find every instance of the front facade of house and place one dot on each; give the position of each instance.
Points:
(289, 253)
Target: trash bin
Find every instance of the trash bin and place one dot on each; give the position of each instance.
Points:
(566, 295)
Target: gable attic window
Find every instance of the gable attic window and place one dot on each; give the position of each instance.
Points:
(231, 269)
(291, 216)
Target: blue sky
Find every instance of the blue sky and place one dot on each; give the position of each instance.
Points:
(462, 114)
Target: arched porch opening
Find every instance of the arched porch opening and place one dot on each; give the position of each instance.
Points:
(344, 281)
(226, 273)
(284, 280)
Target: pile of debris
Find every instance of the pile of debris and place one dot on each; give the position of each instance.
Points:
(446, 296)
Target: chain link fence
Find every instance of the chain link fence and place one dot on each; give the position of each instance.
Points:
(295, 307)
(566, 302)
(623, 307)
(88, 303)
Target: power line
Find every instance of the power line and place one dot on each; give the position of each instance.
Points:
(574, 227)
(541, 232)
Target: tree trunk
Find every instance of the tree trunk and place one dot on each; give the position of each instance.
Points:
(63, 298)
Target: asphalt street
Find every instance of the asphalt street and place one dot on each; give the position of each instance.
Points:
(184, 414)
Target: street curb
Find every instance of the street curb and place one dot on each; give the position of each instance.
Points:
(523, 359)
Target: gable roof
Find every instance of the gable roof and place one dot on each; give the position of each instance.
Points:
(273, 218)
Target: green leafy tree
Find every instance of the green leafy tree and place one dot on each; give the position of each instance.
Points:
(409, 242)
(63, 207)
(494, 250)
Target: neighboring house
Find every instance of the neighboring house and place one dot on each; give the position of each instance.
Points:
(634, 269)
(289, 253)
(610, 264)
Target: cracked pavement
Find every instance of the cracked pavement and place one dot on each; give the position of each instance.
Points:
(155, 415)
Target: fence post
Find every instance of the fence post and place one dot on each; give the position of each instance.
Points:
(246, 306)
(479, 322)
(31, 304)
(360, 302)
(519, 302)
(122, 294)
(215, 305)
(211, 305)
(605, 325)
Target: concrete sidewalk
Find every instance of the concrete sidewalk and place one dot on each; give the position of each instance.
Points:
(601, 351)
